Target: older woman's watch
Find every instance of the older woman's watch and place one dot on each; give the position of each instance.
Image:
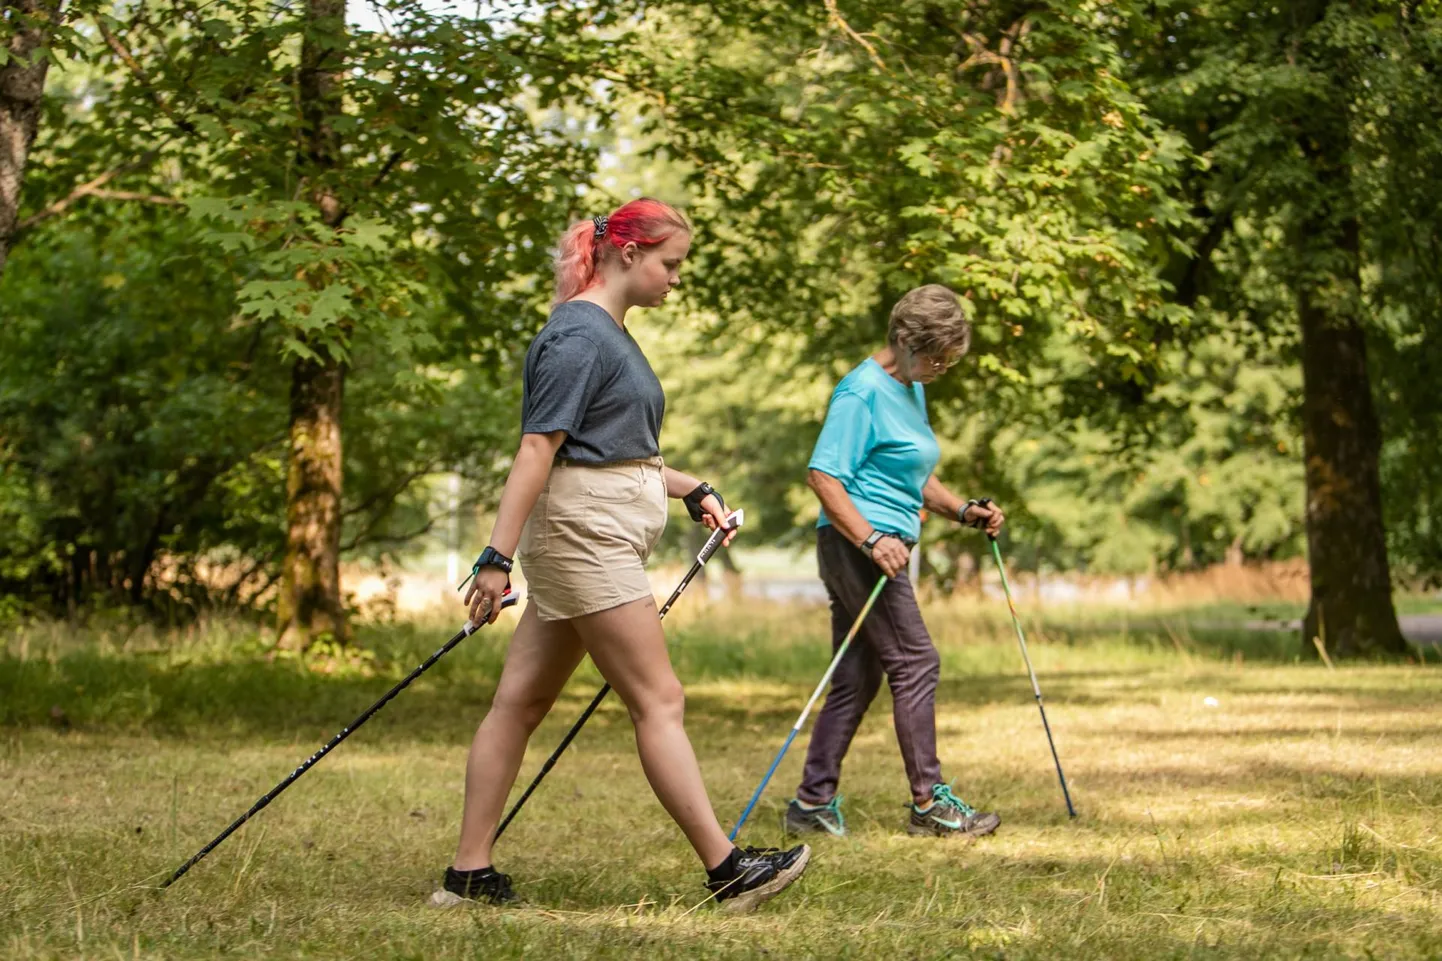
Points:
(980, 523)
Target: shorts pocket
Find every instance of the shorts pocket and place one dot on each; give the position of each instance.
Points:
(650, 512)
(534, 539)
(619, 485)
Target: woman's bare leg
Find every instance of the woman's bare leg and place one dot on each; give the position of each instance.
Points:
(627, 645)
(541, 658)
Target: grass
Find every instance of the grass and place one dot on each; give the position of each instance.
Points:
(1299, 816)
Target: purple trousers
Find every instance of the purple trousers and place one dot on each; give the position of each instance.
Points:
(893, 641)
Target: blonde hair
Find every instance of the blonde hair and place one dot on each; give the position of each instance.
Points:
(929, 320)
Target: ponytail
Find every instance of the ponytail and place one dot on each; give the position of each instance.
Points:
(575, 260)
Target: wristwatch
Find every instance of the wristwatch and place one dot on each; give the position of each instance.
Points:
(490, 557)
(693, 500)
(872, 540)
(982, 502)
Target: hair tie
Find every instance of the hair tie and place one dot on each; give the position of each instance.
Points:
(601, 223)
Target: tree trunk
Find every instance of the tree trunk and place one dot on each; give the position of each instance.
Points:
(21, 85)
(1234, 556)
(310, 606)
(1351, 608)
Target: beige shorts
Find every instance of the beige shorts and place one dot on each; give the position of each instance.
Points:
(585, 545)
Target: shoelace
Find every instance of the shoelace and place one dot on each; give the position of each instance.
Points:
(941, 794)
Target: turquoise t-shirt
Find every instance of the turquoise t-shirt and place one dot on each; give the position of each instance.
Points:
(878, 442)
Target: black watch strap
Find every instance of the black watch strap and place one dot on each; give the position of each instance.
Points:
(490, 557)
(693, 500)
(874, 538)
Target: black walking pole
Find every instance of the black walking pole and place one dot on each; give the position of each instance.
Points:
(1036, 688)
(507, 600)
(713, 542)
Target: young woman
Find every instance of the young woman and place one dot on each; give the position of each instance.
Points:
(872, 470)
(585, 504)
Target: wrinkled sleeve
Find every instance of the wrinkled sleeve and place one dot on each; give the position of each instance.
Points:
(845, 440)
(564, 381)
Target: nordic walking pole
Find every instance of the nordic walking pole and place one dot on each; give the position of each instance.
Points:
(1036, 688)
(713, 542)
(466, 631)
(796, 728)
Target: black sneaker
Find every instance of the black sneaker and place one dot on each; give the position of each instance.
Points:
(950, 815)
(826, 817)
(761, 874)
(487, 885)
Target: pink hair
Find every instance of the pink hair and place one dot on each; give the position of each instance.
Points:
(644, 222)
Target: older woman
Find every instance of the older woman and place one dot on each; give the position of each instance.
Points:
(872, 470)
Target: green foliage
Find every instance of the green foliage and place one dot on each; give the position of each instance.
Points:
(1220, 474)
(1119, 440)
(134, 421)
(992, 149)
(1263, 93)
(427, 165)
(1122, 436)
(403, 233)
(1117, 188)
(143, 418)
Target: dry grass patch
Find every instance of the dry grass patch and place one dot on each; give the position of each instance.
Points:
(1297, 815)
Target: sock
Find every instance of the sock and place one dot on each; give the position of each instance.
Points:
(466, 883)
(923, 808)
(727, 869)
(807, 806)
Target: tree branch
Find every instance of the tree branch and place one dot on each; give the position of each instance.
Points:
(386, 168)
(93, 188)
(134, 65)
(390, 164)
(980, 56)
(366, 537)
(132, 195)
(385, 498)
(840, 21)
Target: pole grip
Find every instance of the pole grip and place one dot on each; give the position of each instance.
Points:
(509, 599)
(713, 543)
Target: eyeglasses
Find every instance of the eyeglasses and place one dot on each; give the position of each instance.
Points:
(936, 364)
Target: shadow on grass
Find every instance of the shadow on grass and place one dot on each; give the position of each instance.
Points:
(750, 677)
(280, 700)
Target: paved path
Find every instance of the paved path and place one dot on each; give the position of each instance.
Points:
(1417, 628)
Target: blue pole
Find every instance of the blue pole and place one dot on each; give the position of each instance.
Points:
(825, 679)
(765, 780)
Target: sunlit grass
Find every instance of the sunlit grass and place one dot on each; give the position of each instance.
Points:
(1228, 807)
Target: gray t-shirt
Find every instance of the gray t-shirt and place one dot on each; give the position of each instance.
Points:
(585, 375)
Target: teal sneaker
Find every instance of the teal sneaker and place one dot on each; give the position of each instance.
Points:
(950, 815)
(806, 819)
